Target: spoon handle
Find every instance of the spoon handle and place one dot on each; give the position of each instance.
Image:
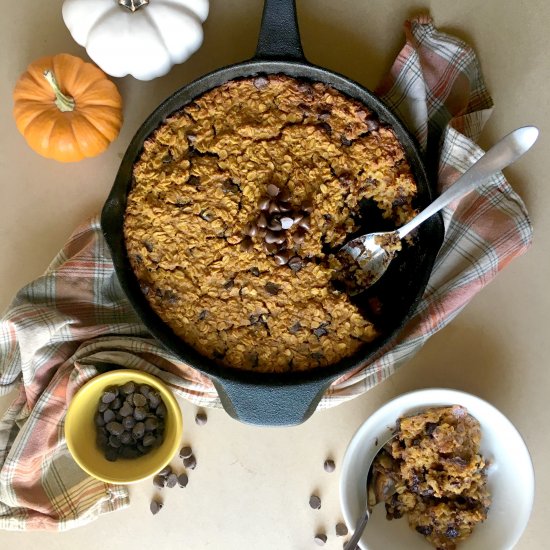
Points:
(354, 540)
(510, 148)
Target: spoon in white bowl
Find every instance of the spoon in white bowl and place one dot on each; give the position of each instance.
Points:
(380, 494)
(373, 252)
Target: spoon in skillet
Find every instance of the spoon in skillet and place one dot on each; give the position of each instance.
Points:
(373, 252)
(379, 489)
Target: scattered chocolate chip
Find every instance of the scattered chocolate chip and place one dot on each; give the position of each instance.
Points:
(329, 465)
(201, 418)
(295, 263)
(261, 221)
(261, 82)
(275, 224)
(166, 471)
(315, 502)
(190, 462)
(191, 138)
(273, 207)
(229, 186)
(341, 529)
(183, 480)
(171, 481)
(271, 248)
(186, 452)
(272, 288)
(255, 271)
(251, 230)
(155, 506)
(299, 236)
(320, 539)
(307, 206)
(159, 481)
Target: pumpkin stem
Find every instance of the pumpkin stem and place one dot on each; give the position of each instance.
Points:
(133, 5)
(64, 103)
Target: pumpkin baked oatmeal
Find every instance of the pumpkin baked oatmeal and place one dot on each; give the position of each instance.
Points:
(236, 202)
(433, 472)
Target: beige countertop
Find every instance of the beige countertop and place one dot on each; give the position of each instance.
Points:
(252, 485)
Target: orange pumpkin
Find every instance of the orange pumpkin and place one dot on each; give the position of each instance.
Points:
(67, 109)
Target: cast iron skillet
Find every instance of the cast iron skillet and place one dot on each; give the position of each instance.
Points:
(284, 398)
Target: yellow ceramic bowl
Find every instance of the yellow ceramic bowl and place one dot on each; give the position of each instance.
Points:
(80, 430)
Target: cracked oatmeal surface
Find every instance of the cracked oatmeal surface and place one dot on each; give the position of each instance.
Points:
(197, 187)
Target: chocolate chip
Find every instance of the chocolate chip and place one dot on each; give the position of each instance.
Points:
(166, 471)
(320, 330)
(111, 454)
(315, 502)
(99, 420)
(128, 422)
(140, 413)
(206, 215)
(345, 141)
(299, 236)
(149, 439)
(320, 539)
(190, 462)
(191, 138)
(159, 481)
(186, 452)
(171, 481)
(261, 221)
(151, 424)
(261, 82)
(201, 418)
(286, 222)
(109, 416)
(144, 389)
(282, 257)
(329, 465)
(304, 223)
(246, 244)
(161, 410)
(138, 430)
(271, 248)
(251, 230)
(275, 225)
(272, 288)
(274, 238)
(372, 123)
(264, 203)
(430, 427)
(115, 428)
(155, 507)
(203, 315)
(193, 180)
(125, 438)
(126, 409)
(154, 399)
(228, 285)
(103, 407)
(341, 529)
(326, 127)
(295, 328)
(295, 263)
(114, 441)
(109, 396)
(273, 207)
(255, 271)
(273, 190)
(424, 529)
(183, 480)
(229, 186)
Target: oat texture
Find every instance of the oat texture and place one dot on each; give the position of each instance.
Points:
(439, 474)
(197, 187)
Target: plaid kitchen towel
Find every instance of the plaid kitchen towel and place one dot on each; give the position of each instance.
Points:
(62, 328)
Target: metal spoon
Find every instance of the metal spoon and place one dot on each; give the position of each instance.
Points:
(373, 252)
(363, 520)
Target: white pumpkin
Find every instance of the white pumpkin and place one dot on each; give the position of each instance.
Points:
(144, 38)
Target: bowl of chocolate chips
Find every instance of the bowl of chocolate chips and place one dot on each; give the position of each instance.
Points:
(123, 426)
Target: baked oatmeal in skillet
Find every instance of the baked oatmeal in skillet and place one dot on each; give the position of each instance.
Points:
(235, 201)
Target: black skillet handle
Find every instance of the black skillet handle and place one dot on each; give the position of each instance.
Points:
(273, 405)
(279, 34)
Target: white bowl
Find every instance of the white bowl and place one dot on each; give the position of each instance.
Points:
(510, 477)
